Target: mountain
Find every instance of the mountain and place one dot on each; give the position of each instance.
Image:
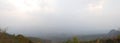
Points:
(113, 33)
(59, 38)
(63, 37)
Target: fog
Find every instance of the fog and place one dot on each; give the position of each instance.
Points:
(33, 17)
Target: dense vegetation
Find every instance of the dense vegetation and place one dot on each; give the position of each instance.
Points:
(109, 40)
(7, 38)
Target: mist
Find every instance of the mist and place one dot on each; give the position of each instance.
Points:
(43, 17)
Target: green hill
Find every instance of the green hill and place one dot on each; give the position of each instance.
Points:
(7, 38)
(39, 40)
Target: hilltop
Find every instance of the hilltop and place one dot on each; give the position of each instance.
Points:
(8, 38)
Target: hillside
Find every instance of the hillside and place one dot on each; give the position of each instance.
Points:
(7, 38)
(39, 40)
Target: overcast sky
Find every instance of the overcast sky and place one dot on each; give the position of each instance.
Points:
(59, 16)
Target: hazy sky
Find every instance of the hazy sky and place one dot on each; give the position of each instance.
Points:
(59, 16)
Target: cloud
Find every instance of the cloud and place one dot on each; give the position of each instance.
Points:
(33, 5)
(96, 6)
(59, 16)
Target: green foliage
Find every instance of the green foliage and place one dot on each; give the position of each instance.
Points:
(68, 41)
(22, 39)
(118, 36)
(109, 40)
(75, 40)
(7, 38)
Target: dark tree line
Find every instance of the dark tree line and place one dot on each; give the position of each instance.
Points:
(110, 40)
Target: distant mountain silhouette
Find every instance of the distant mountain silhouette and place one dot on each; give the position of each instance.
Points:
(8, 38)
(61, 38)
(114, 32)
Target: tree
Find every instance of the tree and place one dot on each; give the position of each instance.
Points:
(75, 40)
(97, 41)
(118, 36)
(68, 41)
(3, 30)
(22, 39)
